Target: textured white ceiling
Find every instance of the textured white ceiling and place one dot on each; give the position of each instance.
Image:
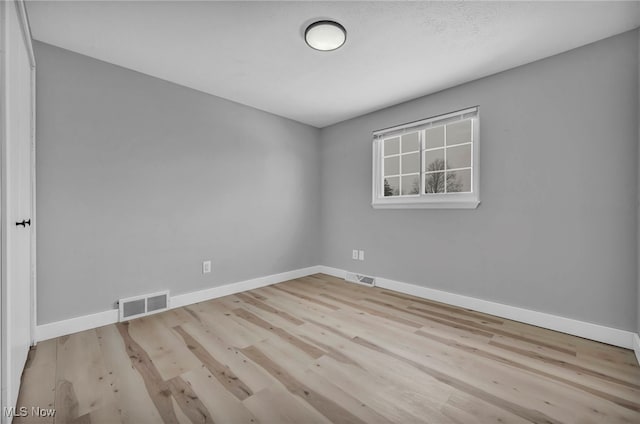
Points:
(254, 53)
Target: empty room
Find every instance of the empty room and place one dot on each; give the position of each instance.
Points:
(319, 212)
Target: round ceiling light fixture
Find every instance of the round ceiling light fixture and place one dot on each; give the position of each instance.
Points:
(325, 35)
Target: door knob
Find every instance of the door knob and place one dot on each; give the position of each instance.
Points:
(24, 223)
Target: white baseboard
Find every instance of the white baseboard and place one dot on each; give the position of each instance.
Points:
(600, 333)
(340, 273)
(228, 289)
(587, 330)
(87, 322)
(74, 325)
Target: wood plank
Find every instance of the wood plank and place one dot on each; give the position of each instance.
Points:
(307, 348)
(221, 372)
(265, 306)
(330, 408)
(189, 401)
(634, 406)
(128, 387)
(463, 408)
(451, 309)
(425, 319)
(375, 312)
(81, 384)
(221, 405)
(39, 382)
(493, 330)
(582, 370)
(251, 376)
(163, 346)
(616, 370)
(521, 411)
(289, 410)
(225, 324)
(378, 380)
(380, 392)
(156, 387)
(292, 291)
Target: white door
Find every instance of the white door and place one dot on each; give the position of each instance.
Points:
(17, 196)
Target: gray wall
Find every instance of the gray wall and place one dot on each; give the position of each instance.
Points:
(638, 119)
(140, 180)
(557, 228)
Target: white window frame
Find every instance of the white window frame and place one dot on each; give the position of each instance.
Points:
(469, 200)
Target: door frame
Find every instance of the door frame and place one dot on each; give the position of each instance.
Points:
(26, 34)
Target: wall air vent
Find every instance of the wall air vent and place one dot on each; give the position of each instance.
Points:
(365, 280)
(146, 304)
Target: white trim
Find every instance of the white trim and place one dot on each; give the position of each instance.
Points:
(87, 322)
(587, 330)
(33, 229)
(3, 207)
(26, 30)
(75, 325)
(432, 204)
(335, 272)
(228, 289)
(636, 347)
(34, 238)
(411, 125)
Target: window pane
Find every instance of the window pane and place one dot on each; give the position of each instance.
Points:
(411, 163)
(392, 165)
(410, 143)
(392, 146)
(434, 160)
(459, 156)
(434, 137)
(434, 183)
(392, 186)
(410, 184)
(459, 132)
(459, 181)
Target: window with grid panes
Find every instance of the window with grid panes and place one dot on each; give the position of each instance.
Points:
(432, 163)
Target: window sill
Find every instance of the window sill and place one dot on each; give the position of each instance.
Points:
(429, 204)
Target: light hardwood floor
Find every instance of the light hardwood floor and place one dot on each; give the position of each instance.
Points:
(318, 350)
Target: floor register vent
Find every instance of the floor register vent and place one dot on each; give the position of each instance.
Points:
(146, 304)
(365, 280)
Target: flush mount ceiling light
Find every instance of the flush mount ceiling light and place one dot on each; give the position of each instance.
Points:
(325, 35)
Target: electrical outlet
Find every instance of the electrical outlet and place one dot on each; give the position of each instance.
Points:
(354, 255)
(206, 267)
(361, 255)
